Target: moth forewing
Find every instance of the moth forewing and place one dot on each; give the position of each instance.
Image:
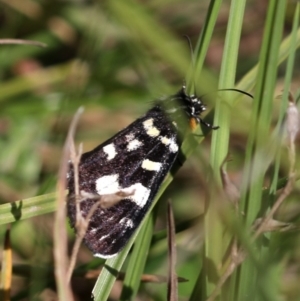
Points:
(134, 162)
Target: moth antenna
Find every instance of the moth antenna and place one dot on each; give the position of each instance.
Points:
(192, 67)
(229, 89)
(191, 49)
(237, 90)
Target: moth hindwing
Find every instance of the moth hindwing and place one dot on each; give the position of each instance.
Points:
(133, 164)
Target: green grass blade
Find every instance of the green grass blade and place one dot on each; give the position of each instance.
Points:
(137, 260)
(214, 236)
(259, 134)
(203, 42)
(227, 80)
(147, 30)
(112, 266)
(248, 81)
(23, 84)
(263, 100)
(284, 101)
(27, 208)
(109, 273)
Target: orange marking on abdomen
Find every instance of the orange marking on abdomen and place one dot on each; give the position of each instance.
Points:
(193, 123)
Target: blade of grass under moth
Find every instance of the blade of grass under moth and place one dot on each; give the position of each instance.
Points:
(113, 265)
(138, 259)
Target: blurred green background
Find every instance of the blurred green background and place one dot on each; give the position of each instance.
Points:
(114, 58)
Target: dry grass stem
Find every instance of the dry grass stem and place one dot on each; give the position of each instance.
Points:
(75, 159)
(172, 277)
(146, 278)
(6, 268)
(229, 188)
(292, 126)
(60, 234)
(21, 42)
(268, 223)
(237, 256)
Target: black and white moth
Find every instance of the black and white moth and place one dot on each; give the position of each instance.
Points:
(135, 162)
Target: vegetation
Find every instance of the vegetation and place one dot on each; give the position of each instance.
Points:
(114, 58)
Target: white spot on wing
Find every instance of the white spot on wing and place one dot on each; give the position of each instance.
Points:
(103, 237)
(134, 144)
(173, 146)
(140, 195)
(171, 143)
(107, 184)
(150, 129)
(151, 165)
(129, 137)
(106, 256)
(127, 222)
(165, 140)
(110, 150)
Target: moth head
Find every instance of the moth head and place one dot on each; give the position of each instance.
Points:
(182, 107)
(193, 107)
